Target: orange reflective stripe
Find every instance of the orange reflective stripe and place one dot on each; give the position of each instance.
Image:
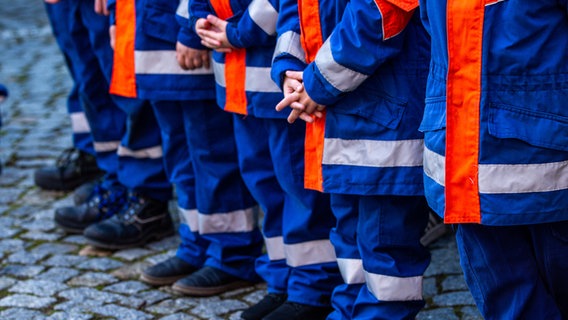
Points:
(395, 15)
(312, 40)
(123, 81)
(235, 67)
(465, 37)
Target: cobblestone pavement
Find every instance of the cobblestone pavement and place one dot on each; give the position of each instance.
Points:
(46, 274)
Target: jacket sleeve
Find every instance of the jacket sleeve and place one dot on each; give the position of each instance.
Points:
(198, 9)
(186, 34)
(359, 44)
(288, 54)
(257, 25)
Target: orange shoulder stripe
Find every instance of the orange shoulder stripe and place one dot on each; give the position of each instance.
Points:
(123, 80)
(465, 37)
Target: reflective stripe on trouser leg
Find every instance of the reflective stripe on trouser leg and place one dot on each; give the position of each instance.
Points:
(344, 239)
(307, 219)
(227, 218)
(193, 247)
(394, 261)
(257, 169)
(140, 153)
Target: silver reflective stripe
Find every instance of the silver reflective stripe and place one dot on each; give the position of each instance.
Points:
(351, 270)
(151, 153)
(162, 62)
(289, 42)
(235, 221)
(190, 217)
(264, 15)
(310, 252)
(340, 77)
(373, 153)
(275, 248)
(106, 146)
(506, 178)
(388, 288)
(79, 123)
(257, 78)
(183, 9)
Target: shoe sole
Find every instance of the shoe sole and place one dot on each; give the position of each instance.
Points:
(112, 246)
(60, 186)
(210, 291)
(70, 229)
(165, 281)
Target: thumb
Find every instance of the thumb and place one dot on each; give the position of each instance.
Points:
(298, 75)
(214, 20)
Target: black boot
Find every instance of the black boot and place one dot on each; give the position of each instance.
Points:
(209, 281)
(167, 272)
(73, 168)
(297, 311)
(269, 303)
(139, 221)
(102, 204)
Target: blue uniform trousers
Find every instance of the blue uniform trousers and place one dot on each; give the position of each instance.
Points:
(125, 133)
(516, 272)
(300, 260)
(58, 15)
(200, 158)
(377, 236)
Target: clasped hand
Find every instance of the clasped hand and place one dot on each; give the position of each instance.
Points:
(296, 97)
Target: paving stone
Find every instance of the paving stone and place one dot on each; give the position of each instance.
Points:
(92, 279)
(127, 287)
(100, 264)
(429, 288)
(130, 271)
(470, 313)
(53, 248)
(237, 293)
(437, 314)
(64, 260)
(152, 297)
(12, 245)
(175, 305)
(444, 261)
(111, 310)
(20, 313)
(42, 288)
(179, 316)
(23, 211)
(160, 257)
(8, 232)
(37, 235)
(254, 297)
(21, 271)
(26, 301)
(9, 196)
(164, 244)
(57, 274)
(88, 294)
(454, 283)
(76, 239)
(210, 307)
(24, 257)
(10, 176)
(132, 254)
(69, 316)
(460, 298)
(40, 225)
(91, 251)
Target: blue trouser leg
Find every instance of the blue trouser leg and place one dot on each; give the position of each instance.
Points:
(516, 272)
(307, 219)
(59, 18)
(344, 239)
(226, 218)
(394, 261)
(258, 173)
(174, 124)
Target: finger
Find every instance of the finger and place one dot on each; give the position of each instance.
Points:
(293, 116)
(298, 75)
(286, 101)
(197, 62)
(318, 114)
(224, 50)
(298, 106)
(213, 20)
(206, 44)
(306, 117)
(188, 63)
(206, 60)
(98, 8)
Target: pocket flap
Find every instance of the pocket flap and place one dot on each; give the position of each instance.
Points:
(160, 22)
(434, 115)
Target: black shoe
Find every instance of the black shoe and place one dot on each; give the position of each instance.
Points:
(167, 272)
(102, 205)
(83, 193)
(269, 303)
(209, 281)
(139, 221)
(434, 230)
(297, 311)
(73, 168)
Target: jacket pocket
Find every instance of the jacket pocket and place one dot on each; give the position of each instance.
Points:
(434, 115)
(375, 106)
(537, 128)
(159, 21)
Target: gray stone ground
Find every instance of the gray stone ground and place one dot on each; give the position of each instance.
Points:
(46, 274)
